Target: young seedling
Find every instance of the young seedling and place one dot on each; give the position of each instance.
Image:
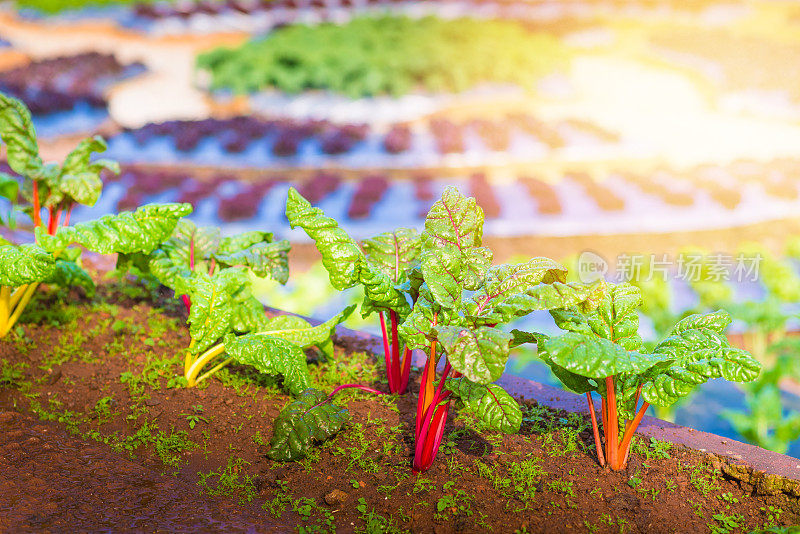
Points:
(381, 264)
(602, 352)
(57, 189)
(459, 301)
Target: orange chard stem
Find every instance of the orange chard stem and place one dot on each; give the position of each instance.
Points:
(626, 439)
(595, 430)
(612, 443)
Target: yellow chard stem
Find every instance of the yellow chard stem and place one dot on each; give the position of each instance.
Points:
(26, 297)
(189, 360)
(5, 294)
(207, 357)
(213, 370)
(16, 295)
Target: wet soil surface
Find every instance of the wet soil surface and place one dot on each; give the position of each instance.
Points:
(51, 481)
(127, 448)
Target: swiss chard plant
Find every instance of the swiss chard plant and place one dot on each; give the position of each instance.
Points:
(212, 275)
(382, 265)
(55, 190)
(601, 351)
(460, 301)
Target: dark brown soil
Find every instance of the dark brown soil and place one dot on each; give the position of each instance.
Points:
(101, 369)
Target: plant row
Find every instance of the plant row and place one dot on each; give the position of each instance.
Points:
(370, 56)
(245, 201)
(58, 84)
(436, 291)
(285, 136)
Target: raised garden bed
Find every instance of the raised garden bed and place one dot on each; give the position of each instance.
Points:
(105, 370)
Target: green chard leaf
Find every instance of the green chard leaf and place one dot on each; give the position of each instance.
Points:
(380, 293)
(301, 423)
(339, 251)
(264, 258)
(480, 353)
(596, 357)
(615, 318)
(248, 316)
(16, 131)
(394, 253)
(24, 264)
(417, 329)
(452, 258)
(9, 187)
(272, 356)
(298, 331)
(139, 231)
(69, 274)
(78, 179)
(212, 299)
(514, 291)
(490, 403)
(174, 274)
(698, 350)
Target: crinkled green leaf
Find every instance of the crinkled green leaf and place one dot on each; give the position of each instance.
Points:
(84, 188)
(479, 353)
(339, 251)
(79, 160)
(596, 357)
(299, 332)
(518, 337)
(16, 131)
(272, 356)
(248, 316)
(454, 220)
(9, 187)
(236, 243)
(24, 264)
(698, 350)
(615, 318)
(452, 259)
(448, 271)
(380, 292)
(69, 274)
(264, 258)
(717, 321)
(490, 403)
(139, 231)
(302, 423)
(538, 297)
(417, 329)
(78, 179)
(212, 305)
(205, 241)
(394, 253)
(174, 274)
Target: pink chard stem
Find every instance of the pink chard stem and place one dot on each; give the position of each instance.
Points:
(387, 353)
